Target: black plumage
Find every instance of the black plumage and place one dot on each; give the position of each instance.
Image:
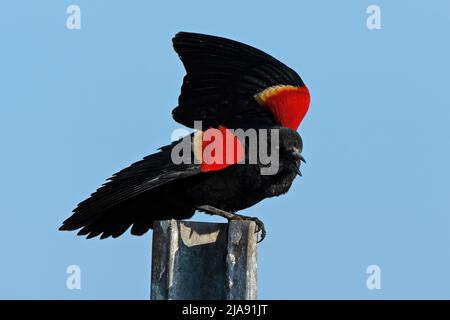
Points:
(222, 78)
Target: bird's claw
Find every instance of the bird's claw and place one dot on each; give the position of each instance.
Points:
(259, 225)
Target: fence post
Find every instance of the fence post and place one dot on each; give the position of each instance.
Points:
(199, 260)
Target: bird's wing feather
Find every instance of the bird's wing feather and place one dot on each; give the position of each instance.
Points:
(151, 172)
(144, 183)
(222, 77)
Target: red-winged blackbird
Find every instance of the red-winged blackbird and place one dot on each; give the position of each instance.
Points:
(228, 85)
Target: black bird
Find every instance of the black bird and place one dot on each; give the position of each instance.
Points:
(228, 86)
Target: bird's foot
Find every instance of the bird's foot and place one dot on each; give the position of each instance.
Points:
(234, 216)
(259, 224)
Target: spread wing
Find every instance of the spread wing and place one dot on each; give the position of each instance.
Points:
(223, 77)
(147, 190)
(109, 209)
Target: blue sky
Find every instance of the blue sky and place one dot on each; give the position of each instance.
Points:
(78, 105)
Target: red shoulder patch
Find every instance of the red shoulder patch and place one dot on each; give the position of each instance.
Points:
(289, 104)
(217, 149)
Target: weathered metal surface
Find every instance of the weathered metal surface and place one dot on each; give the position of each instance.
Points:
(198, 260)
(241, 261)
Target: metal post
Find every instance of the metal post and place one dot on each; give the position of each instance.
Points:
(198, 260)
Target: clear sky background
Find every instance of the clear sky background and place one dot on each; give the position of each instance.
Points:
(79, 105)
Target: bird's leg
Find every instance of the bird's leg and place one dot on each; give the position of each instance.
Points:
(234, 216)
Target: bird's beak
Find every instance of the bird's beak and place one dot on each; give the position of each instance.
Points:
(298, 155)
(302, 159)
(291, 165)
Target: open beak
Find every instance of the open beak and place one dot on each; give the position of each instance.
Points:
(291, 165)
